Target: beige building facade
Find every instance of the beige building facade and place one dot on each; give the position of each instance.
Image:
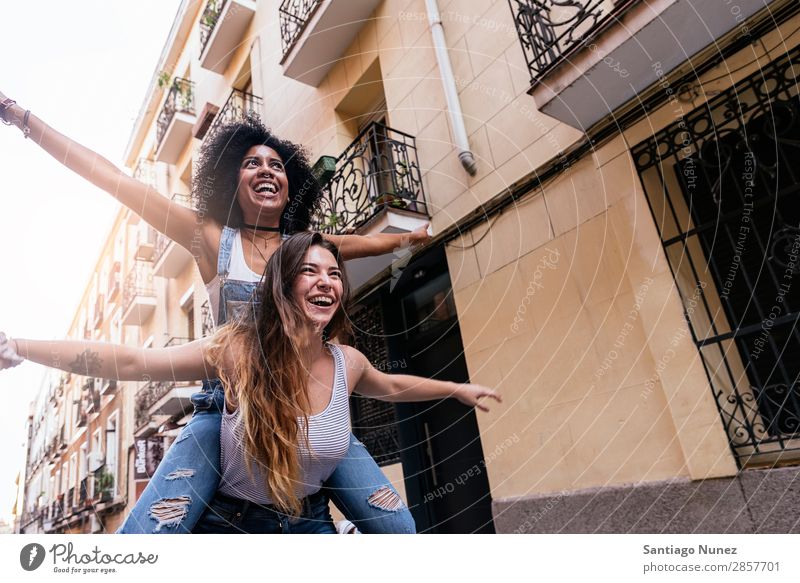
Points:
(619, 263)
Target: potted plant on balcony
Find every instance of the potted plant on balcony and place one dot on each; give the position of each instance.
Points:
(183, 89)
(164, 79)
(104, 485)
(392, 200)
(330, 222)
(210, 14)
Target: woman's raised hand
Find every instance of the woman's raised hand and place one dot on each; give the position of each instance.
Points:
(8, 355)
(418, 236)
(474, 395)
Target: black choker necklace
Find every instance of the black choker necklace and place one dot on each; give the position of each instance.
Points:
(260, 228)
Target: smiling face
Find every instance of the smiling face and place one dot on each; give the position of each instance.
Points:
(263, 187)
(318, 288)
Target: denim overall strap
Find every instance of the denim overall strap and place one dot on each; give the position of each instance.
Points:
(224, 265)
(225, 250)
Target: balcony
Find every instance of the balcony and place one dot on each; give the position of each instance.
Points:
(62, 442)
(108, 387)
(138, 295)
(145, 243)
(170, 258)
(99, 306)
(103, 489)
(376, 187)
(161, 399)
(174, 124)
(151, 173)
(223, 25)
(587, 58)
(316, 33)
(236, 107)
(83, 493)
(114, 280)
(91, 397)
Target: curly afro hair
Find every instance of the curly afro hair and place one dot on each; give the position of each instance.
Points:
(217, 174)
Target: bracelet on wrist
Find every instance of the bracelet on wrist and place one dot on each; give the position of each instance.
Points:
(5, 105)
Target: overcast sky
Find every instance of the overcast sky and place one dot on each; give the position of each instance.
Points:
(83, 67)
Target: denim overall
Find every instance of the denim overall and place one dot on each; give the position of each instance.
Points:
(187, 478)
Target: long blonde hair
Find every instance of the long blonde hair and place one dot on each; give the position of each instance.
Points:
(269, 379)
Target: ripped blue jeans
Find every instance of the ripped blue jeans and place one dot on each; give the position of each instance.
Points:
(187, 479)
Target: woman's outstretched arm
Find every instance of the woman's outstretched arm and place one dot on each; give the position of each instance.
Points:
(174, 220)
(355, 246)
(370, 382)
(114, 361)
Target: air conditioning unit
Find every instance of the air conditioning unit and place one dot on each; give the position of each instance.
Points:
(96, 461)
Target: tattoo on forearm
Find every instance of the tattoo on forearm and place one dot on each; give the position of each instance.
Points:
(86, 363)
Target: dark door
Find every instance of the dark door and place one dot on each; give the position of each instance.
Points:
(440, 447)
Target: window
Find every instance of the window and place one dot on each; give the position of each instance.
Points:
(374, 422)
(722, 185)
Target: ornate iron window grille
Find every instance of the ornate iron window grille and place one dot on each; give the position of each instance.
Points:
(378, 170)
(236, 107)
(374, 422)
(294, 16)
(208, 21)
(180, 99)
(138, 283)
(722, 184)
(551, 30)
(161, 245)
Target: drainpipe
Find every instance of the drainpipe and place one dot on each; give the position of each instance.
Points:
(450, 91)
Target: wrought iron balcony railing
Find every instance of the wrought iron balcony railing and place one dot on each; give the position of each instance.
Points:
(551, 30)
(162, 243)
(378, 170)
(294, 15)
(236, 107)
(180, 98)
(148, 396)
(138, 283)
(208, 20)
(186, 200)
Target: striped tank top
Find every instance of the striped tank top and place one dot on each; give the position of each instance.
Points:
(328, 437)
